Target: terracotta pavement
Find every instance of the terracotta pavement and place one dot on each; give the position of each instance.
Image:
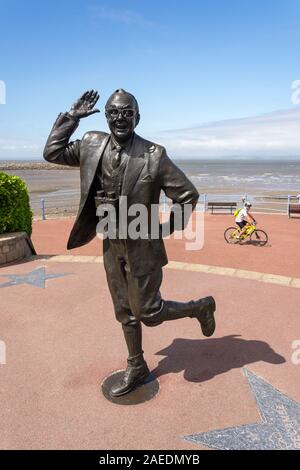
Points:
(62, 340)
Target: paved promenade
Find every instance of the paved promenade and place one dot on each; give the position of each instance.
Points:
(278, 257)
(237, 389)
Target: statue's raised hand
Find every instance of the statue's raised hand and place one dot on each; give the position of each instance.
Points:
(84, 106)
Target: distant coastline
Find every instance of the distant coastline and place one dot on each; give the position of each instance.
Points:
(40, 164)
(31, 165)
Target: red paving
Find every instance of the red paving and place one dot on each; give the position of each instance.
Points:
(278, 257)
(63, 340)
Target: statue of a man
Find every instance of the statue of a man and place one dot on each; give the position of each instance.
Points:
(125, 164)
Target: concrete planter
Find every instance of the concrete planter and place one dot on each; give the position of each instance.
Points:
(15, 246)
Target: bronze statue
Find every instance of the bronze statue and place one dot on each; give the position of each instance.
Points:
(123, 164)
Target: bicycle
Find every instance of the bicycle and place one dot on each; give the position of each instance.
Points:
(256, 237)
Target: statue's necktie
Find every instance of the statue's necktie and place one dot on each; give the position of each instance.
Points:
(116, 158)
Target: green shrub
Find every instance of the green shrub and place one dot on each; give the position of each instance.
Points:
(15, 211)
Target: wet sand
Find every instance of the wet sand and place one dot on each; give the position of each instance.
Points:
(58, 185)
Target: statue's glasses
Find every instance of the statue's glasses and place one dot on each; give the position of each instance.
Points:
(127, 113)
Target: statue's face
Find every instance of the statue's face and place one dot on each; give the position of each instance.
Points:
(122, 117)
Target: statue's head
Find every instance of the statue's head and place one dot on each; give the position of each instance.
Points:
(122, 114)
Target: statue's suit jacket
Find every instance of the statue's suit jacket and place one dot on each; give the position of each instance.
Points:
(149, 170)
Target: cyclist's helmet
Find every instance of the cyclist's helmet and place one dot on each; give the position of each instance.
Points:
(247, 204)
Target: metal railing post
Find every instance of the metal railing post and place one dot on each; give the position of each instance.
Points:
(288, 204)
(43, 209)
(205, 202)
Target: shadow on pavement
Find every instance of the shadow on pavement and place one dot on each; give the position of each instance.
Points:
(201, 360)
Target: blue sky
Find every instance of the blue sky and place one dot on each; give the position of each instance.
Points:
(188, 63)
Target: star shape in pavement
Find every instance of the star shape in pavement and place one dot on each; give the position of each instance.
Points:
(36, 278)
(279, 427)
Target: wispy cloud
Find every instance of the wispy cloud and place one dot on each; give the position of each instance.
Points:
(272, 134)
(19, 148)
(275, 134)
(120, 15)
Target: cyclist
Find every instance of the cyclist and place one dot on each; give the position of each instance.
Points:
(244, 218)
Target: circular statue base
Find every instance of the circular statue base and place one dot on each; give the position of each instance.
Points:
(140, 394)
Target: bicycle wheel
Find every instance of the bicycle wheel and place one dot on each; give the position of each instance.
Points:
(259, 238)
(230, 235)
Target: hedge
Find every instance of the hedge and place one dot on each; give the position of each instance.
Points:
(15, 211)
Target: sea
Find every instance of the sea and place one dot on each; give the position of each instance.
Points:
(250, 176)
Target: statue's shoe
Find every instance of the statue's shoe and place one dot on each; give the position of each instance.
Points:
(132, 377)
(205, 315)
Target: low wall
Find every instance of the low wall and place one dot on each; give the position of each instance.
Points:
(15, 246)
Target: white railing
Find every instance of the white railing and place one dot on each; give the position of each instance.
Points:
(260, 203)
